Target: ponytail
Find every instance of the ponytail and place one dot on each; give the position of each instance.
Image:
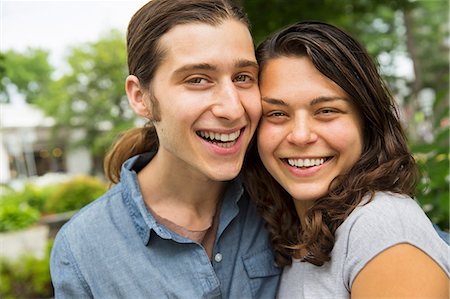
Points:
(133, 142)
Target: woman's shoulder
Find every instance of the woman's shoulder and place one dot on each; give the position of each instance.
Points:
(386, 208)
(387, 220)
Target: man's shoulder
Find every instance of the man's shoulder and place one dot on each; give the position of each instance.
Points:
(94, 216)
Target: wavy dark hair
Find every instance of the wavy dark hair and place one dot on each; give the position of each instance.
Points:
(145, 55)
(384, 165)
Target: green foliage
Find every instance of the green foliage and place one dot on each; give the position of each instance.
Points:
(75, 194)
(430, 30)
(26, 277)
(357, 16)
(14, 217)
(31, 195)
(20, 209)
(30, 72)
(91, 96)
(433, 160)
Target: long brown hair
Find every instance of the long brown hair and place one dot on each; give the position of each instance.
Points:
(145, 29)
(385, 163)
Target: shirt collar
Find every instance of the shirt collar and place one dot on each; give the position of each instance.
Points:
(144, 220)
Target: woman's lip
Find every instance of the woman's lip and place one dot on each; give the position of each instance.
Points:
(306, 171)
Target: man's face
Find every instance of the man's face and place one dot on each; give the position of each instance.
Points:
(209, 102)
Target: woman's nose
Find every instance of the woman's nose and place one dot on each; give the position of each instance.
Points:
(302, 131)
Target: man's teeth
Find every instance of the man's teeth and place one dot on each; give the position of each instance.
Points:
(305, 162)
(220, 136)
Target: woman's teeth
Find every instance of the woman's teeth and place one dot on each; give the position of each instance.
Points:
(305, 162)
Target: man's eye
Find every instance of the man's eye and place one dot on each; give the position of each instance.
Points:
(243, 78)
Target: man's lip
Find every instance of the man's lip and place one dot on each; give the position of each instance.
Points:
(218, 147)
(221, 130)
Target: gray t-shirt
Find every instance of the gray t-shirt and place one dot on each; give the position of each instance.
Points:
(389, 219)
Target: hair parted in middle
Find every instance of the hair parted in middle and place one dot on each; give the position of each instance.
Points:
(145, 55)
(385, 163)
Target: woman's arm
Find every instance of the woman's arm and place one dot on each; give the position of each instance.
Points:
(401, 271)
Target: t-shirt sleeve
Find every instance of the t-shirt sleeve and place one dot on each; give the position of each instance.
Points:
(386, 221)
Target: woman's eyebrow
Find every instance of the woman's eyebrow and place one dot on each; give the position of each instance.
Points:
(319, 100)
(273, 101)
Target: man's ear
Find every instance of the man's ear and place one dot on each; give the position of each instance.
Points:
(136, 97)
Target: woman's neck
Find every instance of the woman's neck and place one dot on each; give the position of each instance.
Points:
(302, 207)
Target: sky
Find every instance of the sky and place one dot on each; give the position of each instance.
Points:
(57, 25)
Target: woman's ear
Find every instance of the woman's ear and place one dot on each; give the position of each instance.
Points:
(136, 97)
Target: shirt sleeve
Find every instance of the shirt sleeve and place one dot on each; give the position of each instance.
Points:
(386, 221)
(66, 276)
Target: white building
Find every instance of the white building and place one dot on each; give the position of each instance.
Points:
(28, 148)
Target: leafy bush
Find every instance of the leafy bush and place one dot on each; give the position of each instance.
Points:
(17, 216)
(74, 194)
(20, 209)
(32, 195)
(27, 277)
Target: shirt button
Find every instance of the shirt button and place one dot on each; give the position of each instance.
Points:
(218, 257)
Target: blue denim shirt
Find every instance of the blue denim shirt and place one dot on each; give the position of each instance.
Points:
(114, 248)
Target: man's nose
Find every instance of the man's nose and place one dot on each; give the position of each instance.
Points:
(228, 102)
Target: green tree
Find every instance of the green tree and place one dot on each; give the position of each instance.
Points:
(29, 72)
(90, 99)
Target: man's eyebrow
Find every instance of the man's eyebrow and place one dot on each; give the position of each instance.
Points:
(246, 63)
(273, 101)
(195, 66)
(209, 67)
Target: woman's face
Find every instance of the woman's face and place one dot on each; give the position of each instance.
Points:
(310, 131)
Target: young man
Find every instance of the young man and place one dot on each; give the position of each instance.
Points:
(178, 223)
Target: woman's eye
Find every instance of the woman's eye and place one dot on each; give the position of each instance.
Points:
(327, 111)
(276, 114)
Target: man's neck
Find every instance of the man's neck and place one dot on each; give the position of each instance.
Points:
(187, 200)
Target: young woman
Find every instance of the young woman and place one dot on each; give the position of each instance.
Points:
(177, 224)
(337, 192)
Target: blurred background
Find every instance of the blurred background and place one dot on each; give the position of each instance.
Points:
(62, 104)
